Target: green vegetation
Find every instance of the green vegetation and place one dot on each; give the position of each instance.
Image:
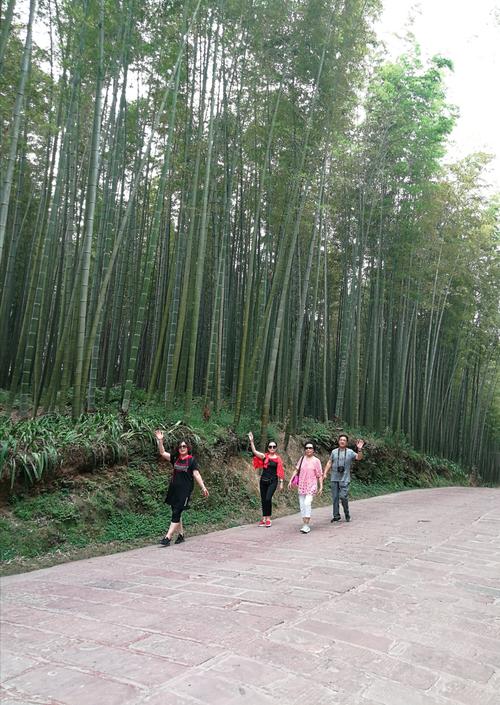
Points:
(83, 505)
(243, 202)
(218, 216)
(33, 448)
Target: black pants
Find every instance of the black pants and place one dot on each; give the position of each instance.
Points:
(267, 489)
(177, 510)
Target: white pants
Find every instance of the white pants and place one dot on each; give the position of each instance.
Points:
(305, 502)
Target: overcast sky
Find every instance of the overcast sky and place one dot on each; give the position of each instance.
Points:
(468, 33)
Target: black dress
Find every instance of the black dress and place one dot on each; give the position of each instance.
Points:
(181, 484)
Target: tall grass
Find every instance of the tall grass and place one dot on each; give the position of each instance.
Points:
(30, 449)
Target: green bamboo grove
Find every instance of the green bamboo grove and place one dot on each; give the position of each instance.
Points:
(242, 201)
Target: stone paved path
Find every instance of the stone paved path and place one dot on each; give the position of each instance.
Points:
(400, 607)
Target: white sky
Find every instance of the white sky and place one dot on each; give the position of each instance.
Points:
(468, 33)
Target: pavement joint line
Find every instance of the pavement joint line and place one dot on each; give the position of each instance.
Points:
(443, 574)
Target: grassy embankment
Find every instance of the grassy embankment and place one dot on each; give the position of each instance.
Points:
(72, 490)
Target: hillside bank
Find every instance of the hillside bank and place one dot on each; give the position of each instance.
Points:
(73, 490)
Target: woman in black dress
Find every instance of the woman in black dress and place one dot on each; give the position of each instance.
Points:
(181, 485)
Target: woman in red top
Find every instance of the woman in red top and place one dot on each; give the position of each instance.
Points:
(272, 473)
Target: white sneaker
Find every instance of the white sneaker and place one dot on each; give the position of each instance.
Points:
(306, 529)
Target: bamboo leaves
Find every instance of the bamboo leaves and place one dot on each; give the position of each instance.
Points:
(199, 206)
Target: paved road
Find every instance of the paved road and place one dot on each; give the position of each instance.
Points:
(399, 607)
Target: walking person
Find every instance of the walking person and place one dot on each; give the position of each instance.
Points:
(341, 459)
(308, 473)
(181, 486)
(272, 474)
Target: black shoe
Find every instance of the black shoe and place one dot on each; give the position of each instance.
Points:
(165, 541)
(334, 519)
(180, 539)
(348, 518)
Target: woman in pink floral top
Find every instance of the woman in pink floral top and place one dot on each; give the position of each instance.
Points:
(310, 475)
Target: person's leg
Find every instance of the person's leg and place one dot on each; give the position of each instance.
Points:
(302, 505)
(344, 498)
(263, 491)
(271, 488)
(335, 501)
(180, 537)
(174, 525)
(306, 517)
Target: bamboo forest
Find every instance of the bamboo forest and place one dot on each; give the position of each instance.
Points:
(243, 204)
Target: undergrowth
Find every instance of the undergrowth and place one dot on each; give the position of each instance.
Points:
(72, 488)
(31, 449)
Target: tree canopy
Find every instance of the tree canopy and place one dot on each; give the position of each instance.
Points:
(241, 201)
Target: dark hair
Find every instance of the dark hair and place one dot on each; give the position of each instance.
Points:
(344, 435)
(309, 443)
(185, 442)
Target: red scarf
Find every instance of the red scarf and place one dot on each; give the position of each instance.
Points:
(258, 464)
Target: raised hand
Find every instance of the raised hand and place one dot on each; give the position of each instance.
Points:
(359, 444)
(159, 435)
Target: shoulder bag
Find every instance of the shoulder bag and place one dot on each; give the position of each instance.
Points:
(295, 479)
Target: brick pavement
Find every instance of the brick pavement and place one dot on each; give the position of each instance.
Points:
(399, 607)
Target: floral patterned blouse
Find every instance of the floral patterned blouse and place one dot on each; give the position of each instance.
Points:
(310, 471)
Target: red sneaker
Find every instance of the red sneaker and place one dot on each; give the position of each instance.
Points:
(262, 522)
(268, 523)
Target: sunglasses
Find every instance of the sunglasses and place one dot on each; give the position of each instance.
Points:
(309, 447)
(182, 445)
(272, 445)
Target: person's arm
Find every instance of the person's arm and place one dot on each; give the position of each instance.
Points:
(327, 468)
(320, 478)
(161, 449)
(280, 471)
(199, 480)
(359, 447)
(257, 453)
(295, 472)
